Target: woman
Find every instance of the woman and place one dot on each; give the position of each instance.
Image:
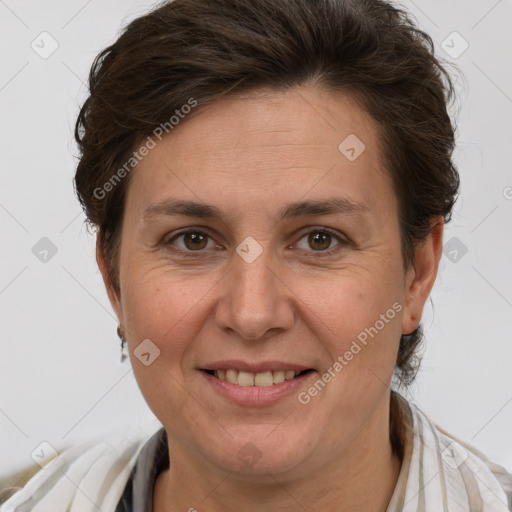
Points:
(270, 181)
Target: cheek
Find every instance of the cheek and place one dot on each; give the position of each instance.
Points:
(166, 311)
(164, 308)
(358, 323)
(356, 315)
(349, 301)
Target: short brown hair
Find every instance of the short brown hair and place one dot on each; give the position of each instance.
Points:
(205, 49)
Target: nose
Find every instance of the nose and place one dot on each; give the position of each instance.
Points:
(255, 299)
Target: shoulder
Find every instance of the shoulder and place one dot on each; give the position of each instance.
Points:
(459, 451)
(93, 472)
(459, 470)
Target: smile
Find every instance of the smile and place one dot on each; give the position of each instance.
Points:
(256, 389)
(260, 379)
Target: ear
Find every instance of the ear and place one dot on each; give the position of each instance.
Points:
(112, 295)
(421, 275)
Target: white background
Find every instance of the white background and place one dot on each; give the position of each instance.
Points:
(61, 377)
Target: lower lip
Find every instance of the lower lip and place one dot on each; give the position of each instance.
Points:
(255, 395)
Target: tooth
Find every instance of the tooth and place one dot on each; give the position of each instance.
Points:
(263, 379)
(232, 376)
(278, 377)
(245, 379)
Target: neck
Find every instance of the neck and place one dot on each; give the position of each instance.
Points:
(361, 477)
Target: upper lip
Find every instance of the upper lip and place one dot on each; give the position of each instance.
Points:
(254, 367)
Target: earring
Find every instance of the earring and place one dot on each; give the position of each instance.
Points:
(123, 344)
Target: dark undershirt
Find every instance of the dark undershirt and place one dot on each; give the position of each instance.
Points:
(152, 460)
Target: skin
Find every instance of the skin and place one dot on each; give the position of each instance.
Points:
(249, 156)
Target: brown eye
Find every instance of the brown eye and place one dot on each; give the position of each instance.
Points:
(321, 241)
(195, 240)
(191, 240)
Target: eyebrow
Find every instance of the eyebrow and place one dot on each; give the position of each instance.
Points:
(330, 206)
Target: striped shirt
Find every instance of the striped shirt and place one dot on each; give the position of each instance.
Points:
(439, 473)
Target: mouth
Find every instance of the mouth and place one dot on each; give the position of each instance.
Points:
(255, 384)
(260, 379)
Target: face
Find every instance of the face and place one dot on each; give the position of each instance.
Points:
(289, 259)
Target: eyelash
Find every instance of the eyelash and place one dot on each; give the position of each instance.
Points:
(200, 252)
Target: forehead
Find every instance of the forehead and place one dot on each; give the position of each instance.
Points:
(263, 148)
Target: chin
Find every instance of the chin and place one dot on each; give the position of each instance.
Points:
(258, 450)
